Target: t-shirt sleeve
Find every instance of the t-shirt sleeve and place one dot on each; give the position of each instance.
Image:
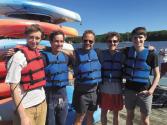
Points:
(14, 66)
(152, 59)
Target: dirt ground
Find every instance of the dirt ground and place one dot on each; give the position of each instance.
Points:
(158, 117)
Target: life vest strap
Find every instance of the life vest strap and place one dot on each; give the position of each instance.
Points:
(57, 62)
(32, 72)
(138, 59)
(57, 81)
(137, 77)
(86, 79)
(36, 58)
(113, 77)
(111, 61)
(2, 78)
(137, 68)
(32, 82)
(94, 70)
(89, 60)
(56, 73)
(110, 69)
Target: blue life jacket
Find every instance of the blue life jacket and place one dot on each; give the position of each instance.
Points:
(56, 69)
(136, 67)
(112, 66)
(88, 69)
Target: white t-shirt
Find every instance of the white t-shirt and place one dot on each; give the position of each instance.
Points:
(68, 46)
(14, 66)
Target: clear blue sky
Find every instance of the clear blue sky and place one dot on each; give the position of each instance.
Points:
(116, 15)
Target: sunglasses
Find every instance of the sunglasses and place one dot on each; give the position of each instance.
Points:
(112, 41)
(90, 41)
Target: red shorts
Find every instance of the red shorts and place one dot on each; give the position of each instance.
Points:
(111, 102)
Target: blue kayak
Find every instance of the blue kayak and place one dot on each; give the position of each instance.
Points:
(32, 10)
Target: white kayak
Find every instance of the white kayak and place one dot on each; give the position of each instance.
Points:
(32, 10)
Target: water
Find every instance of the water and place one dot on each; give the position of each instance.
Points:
(158, 45)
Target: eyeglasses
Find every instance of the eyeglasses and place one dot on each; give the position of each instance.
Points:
(90, 41)
(112, 41)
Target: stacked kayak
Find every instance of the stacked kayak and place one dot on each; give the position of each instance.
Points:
(32, 10)
(15, 28)
(15, 16)
(4, 92)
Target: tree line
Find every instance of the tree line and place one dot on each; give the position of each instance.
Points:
(152, 36)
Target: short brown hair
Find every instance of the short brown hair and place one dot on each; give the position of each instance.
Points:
(139, 31)
(112, 34)
(55, 33)
(33, 28)
(88, 32)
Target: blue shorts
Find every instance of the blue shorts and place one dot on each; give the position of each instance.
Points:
(57, 106)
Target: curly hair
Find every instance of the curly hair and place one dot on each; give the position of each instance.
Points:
(112, 34)
(33, 28)
(55, 33)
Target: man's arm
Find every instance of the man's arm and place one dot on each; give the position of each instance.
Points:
(155, 80)
(15, 65)
(19, 107)
(152, 61)
(70, 53)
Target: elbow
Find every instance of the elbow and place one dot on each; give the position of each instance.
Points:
(13, 87)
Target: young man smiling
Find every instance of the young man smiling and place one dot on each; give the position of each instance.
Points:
(56, 69)
(138, 88)
(26, 78)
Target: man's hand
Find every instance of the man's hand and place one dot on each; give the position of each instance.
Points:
(10, 52)
(146, 92)
(151, 47)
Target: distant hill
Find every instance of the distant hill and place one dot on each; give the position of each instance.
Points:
(152, 36)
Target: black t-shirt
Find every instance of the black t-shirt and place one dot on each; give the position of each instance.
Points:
(152, 58)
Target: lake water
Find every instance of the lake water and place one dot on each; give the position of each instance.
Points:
(158, 44)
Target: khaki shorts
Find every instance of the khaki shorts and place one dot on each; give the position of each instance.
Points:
(37, 114)
(133, 99)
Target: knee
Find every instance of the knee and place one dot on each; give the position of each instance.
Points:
(79, 118)
(145, 119)
(146, 122)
